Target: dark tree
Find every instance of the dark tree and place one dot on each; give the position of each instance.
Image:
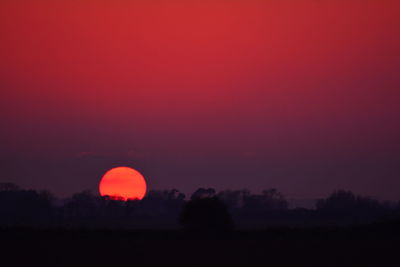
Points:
(233, 199)
(206, 215)
(269, 200)
(82, 205)
(163, 202)
(347, 201)
(203, 193)
(24, 207)
(346, 207)
(340, 200)
(9, 187)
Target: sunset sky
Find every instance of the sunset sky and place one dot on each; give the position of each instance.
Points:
(303, 96)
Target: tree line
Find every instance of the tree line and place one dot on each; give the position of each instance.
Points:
(205, 208)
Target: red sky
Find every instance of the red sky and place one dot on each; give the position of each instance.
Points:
(299, 95)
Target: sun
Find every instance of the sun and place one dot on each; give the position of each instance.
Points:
(123, 183)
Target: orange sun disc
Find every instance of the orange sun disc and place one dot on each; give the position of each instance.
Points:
(123, 183)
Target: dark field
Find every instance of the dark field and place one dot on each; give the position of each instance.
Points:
(371, 245)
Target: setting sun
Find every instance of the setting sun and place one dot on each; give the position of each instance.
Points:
(123, 183)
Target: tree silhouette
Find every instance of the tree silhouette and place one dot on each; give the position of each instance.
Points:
(203, 193)
(82, 205)
(346, 207)
(9, 187)
(347, 201)
(269, 200)
(24, 207)
(340, 200)
(233, 199)
(163, 202)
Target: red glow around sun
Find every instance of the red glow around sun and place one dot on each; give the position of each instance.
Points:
(123, 183)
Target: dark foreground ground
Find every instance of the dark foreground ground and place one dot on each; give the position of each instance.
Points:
(371, 245)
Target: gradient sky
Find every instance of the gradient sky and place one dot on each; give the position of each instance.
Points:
(303, 96)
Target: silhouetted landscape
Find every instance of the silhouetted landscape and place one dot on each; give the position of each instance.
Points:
(199, 133)
(166, 228)
(170, 209)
